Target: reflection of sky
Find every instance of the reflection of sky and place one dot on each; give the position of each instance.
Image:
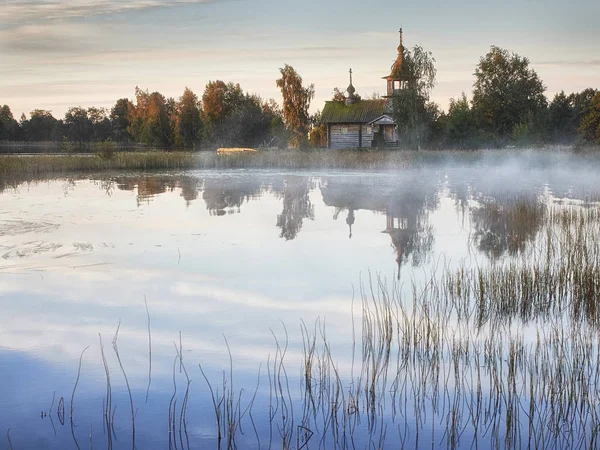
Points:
(98, 256)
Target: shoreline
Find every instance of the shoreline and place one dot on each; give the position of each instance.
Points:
(371, 160)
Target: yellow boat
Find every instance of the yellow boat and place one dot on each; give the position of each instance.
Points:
(225, 150)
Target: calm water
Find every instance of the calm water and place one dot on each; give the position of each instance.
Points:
(206, 259)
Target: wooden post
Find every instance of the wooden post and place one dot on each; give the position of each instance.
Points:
(360, 135)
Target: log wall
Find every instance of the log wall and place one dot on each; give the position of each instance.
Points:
(349, 136)
(344, 136)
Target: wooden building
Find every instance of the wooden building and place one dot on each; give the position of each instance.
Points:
(357, 123)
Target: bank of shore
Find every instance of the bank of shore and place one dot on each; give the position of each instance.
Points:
(373, 160)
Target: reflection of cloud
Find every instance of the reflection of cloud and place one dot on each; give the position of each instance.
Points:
(92, 301)
(229, 296)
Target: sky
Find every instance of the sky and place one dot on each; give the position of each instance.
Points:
(57, 53)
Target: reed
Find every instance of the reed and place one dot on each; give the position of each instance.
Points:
(369, 160)
(116, 350)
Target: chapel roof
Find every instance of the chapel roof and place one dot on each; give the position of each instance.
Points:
(362, 111)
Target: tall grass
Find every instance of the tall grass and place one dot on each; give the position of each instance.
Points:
(38, 165)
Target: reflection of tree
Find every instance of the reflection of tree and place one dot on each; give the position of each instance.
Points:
(507, 226)
(189, 189)
(504, 219)
(350, 221)
(406, 202)
(68, 186)
(407, 223)
(108, 186)
(219, 194)
(296, 205)
(226, 195)
(147, 186)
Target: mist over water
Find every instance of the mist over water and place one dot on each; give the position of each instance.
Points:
(241, 259)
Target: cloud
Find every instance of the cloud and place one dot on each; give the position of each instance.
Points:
(25, 11)
(569, 63)
(49, 39)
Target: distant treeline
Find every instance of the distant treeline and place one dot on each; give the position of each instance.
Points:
(508, 107)
(226, 116)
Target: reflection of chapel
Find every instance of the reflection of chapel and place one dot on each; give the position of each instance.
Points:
(399, 230)
(357, 123)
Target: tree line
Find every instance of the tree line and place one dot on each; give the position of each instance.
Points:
(224, 116)
(507, 107)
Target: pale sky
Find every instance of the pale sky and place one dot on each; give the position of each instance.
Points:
(57, 53)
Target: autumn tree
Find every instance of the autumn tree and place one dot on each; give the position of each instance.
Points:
(150, 121)
(590, 124)
(296, 102)
(218, 104)
(172, 111)
(582, 102)
(508, 95)
(317, 137)
(338, 95)
(234, 118)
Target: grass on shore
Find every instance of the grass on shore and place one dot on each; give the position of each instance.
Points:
(37, 165)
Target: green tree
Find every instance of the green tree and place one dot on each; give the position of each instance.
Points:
(414, 114)
(590, 124)
(296, 101)
(278, 135)
(120, 119)
(248, 124)
(562, 121)
(78, 125)
(9, 127)
(460, 125)
(507, 93)
(101, 126)
(41, 126)
(189, 123)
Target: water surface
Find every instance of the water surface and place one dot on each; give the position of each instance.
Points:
(207, 260)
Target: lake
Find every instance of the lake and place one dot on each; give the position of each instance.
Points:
(452, 306)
